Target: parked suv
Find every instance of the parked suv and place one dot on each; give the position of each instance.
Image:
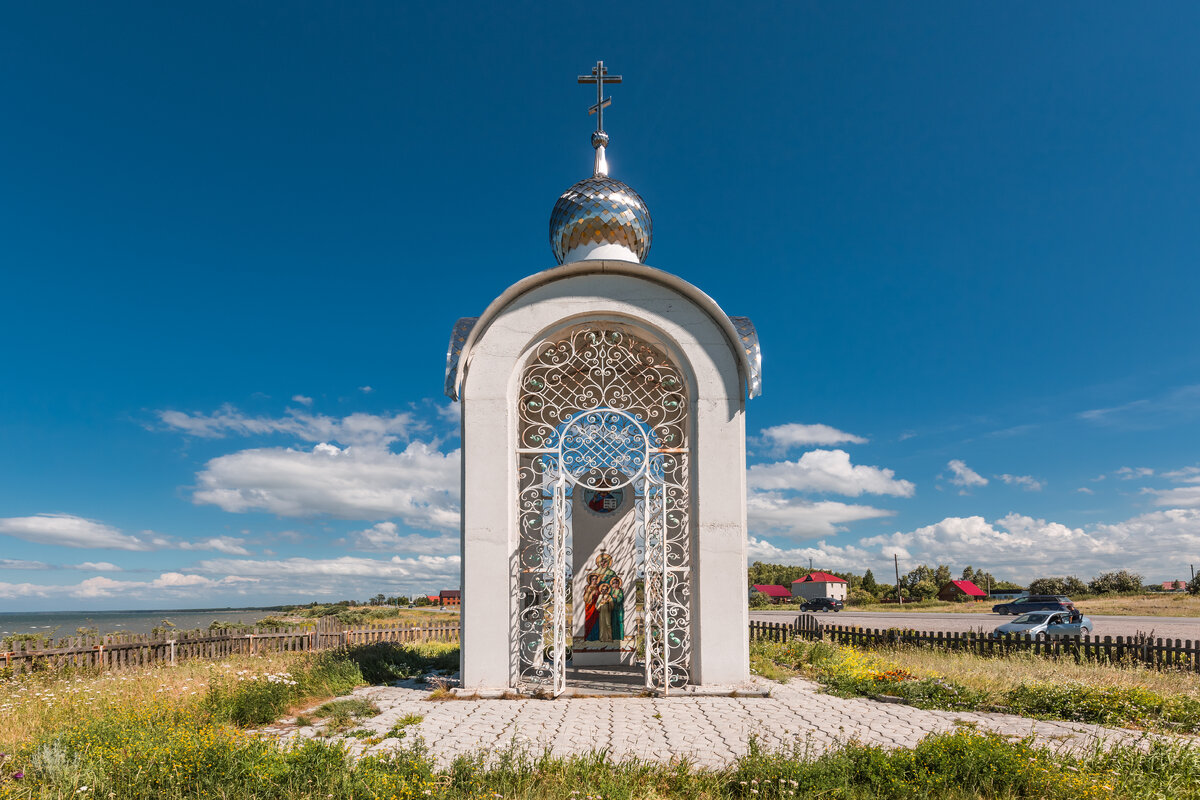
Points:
(1036, 602)
(823, 604)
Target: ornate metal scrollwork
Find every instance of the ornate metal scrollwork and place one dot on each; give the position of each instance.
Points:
(602, 409)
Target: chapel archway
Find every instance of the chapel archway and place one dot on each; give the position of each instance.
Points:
(604, 558)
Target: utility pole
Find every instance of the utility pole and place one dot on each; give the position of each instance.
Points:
(810, 563)
(896, 561)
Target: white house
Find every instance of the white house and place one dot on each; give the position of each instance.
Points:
(819, 584)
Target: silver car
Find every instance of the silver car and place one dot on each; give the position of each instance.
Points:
(1047, 625)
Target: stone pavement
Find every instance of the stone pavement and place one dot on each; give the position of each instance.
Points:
(711, 731)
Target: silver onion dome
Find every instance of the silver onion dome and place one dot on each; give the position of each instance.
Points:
(600, 217)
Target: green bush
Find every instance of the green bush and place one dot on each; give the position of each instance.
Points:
(385, 662)
(1105, 705)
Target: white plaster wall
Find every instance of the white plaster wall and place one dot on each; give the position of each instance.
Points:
(699, 346)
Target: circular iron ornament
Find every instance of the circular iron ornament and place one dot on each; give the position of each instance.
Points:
(603, 449)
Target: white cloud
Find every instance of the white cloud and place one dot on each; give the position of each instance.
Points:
(964, 476)
(17, 563)
(420, 485)
(1026, 482)
(344, 566)
(1084, 490)
(302, 400)
(1024, 548)
(1184, 475)
(827, 471)
(1184, 496)
(86, 566)
(1132, 473)
(795, 434)
(95, 566)
(773, 513)
(221, 544)
(169, 584)
(824, 556)
(355, 429)
(384, 537)
(67, 530)
(365, 389)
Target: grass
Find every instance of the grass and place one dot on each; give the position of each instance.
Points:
(1122, 695)
(165, 733)
(164, 756)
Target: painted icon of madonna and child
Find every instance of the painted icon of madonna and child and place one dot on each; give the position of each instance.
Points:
(604, 603)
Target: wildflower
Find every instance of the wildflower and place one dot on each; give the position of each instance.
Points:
(18, 775)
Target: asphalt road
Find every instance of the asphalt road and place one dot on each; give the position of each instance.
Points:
(1163, 627)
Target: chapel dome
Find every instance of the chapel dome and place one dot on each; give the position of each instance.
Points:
(600, 218)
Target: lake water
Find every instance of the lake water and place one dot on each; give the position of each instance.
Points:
(64, 623)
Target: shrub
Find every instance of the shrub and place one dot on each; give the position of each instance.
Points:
(385, 662)
(1114, 582)
(1069, 585)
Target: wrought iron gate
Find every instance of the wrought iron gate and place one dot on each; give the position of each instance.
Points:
(601, 409)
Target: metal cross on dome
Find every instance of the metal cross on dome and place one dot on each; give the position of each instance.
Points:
(600, 77)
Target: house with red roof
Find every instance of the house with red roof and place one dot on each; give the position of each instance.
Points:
(819, 584)
(961, 590)
(776, 594)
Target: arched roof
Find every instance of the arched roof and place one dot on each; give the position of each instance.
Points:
(739, 331)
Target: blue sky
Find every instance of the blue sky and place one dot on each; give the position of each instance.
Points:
(234, 239)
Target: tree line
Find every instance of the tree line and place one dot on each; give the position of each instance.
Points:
(924, 582)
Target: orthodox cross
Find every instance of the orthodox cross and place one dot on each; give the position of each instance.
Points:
(600, 77)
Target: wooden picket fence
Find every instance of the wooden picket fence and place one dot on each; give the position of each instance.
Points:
(1154, 653)
(130, 651)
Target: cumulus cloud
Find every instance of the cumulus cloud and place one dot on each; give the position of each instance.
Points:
(964, 476)
(343, 566)
(825, 555)
(355, 429)
(17, 563)
(420, 485)
(1026, 482)
(827, 471)
(1084, 490)
(67, 530)
(86, 566)
(795, 434)
(1023, 547)
(301, 399)
(385, 537)
(796, 517)
(221, 544)
(1132, 473)
(1184, 475)
(168, 584)
(1184, 496)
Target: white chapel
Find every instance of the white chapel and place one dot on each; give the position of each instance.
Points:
(603, 462)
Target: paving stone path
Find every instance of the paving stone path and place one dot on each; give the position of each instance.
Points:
(711, 731)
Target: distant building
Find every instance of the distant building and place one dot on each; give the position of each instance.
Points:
(819, 584)
(1008, 594)
(450, 597)
(776, 594)
(961, 590)
(433, 598)
(1174, 586)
